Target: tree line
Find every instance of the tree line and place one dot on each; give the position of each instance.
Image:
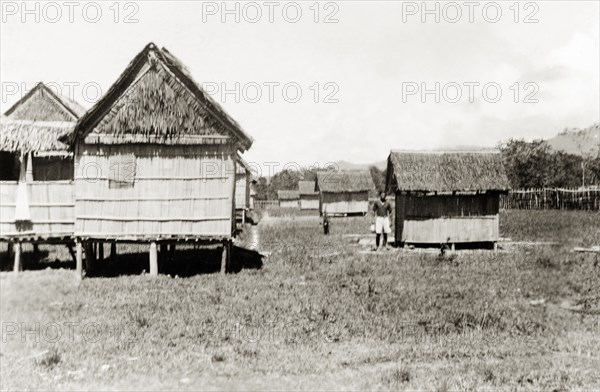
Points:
(528, 165)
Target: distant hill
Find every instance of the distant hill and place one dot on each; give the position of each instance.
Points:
(577, 141)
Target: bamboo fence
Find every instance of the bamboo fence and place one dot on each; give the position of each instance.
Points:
(552, 199)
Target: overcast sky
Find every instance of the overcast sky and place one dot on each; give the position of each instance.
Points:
(360, 76)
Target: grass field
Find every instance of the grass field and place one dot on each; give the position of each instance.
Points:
(322, 314)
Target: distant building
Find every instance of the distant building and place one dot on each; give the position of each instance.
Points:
(288, 199)
(309, 197)
(344, 192)
(243, 179)
(446, 197)
(36, 169)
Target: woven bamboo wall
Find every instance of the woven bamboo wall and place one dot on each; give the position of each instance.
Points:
(8, 194)
(51, 207)
(242, 191)
(178, 191)
(344, 203)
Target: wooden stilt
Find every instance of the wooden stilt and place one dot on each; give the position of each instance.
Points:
(90, 258)
(100, 251)
(225, 257)
(113, 251)
(172, 253)
(153, 260)
(453, 247)
(72, 253)
(79, 259)
(18, 262)
(163, 256)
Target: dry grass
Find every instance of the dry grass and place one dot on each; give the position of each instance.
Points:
(320, 315)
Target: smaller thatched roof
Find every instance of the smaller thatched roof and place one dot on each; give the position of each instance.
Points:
(307, 188)
(33, 136)
(41, 103)
(345, 181)
(446, 172)
(288, 195)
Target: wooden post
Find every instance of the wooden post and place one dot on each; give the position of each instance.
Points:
(453, 247)
(29, 168)
(100, 251)
(90, 258)
(172, 253)
(225, 256)
(18, 263)
(163, 256)
(79, 259)
(113, 251)
(153, 260)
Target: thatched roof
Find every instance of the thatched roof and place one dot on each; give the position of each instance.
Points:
(155, 100)
(345, 181)
(33, 136)
(307, 188)
(288, 195)
(446, 172)
(43, 104)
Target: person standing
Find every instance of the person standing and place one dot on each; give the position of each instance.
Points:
(382, 210)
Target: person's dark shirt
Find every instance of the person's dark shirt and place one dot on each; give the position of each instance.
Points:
(381, 208)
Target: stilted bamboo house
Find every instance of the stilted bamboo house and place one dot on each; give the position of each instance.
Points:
(446, 198)
(309, 197)
(243, 179)
(343, 193)
(155, 162)
(36, 169)
(288, 199)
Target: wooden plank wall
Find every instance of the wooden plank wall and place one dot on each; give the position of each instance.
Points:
(289, 204)
(177, 191)
(447, 218)
(344, 203)
(308, 202)
(451, 230)
(242, 191)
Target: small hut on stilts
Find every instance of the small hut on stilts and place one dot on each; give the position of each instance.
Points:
(36, 171)
(155, 163)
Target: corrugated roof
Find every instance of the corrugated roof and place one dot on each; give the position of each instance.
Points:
(446, 171)
(345, 181)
